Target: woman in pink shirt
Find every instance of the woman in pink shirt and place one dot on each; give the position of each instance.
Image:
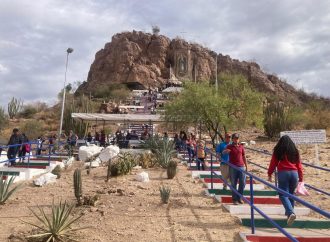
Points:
(287, 160)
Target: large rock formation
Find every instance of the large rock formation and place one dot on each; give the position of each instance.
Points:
(142, 59)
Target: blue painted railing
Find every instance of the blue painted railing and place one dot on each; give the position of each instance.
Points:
(306, 164)
(251, 202)
(33, 147)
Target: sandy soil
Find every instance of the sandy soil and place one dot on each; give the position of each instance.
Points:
(138, 214)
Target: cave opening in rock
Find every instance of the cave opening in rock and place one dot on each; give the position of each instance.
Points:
(135, 86)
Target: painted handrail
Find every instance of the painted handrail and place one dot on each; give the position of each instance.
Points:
(307, 185)
(251, 176)
(266, 152)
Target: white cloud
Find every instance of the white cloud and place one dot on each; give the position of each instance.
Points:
(290, 38)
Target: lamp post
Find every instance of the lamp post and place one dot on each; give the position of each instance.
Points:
(216, 72)
(68, 51)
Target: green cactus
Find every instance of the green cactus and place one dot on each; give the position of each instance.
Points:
(165, 193)
(171, 169)
(276, 118)
(14, 106)
(77, 185)
(81, 105)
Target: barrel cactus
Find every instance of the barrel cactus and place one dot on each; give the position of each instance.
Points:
(171, 169)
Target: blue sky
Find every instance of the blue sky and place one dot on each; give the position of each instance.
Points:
(289, 38)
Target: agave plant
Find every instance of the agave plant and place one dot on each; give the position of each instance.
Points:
(5, 191)
(165, 152)
(56, 226)
(165, 193)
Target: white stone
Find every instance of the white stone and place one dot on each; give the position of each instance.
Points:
(142, 177)
(86, 152)
(45, 179)
(109, 153)
(252, 142)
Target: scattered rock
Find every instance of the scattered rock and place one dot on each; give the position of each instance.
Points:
(112, 191)
(93, 209)
(141, 187)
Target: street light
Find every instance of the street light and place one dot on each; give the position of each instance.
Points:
(68, 51)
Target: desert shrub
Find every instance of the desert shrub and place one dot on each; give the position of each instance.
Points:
(56, 226)
(14, 106)
(5, 189)
(32, 129)
(317, 115)
(28, 111)
(165, 193)
(146, 160)
(278, 117)
(122, 165)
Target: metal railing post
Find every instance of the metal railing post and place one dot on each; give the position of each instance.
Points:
(276, 179)
(49, 147)
(252, 202)
(211, 171)
(29, 153)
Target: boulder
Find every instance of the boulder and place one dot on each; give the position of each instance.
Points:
(86, 152)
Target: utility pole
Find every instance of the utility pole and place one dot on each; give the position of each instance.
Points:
(216, 72)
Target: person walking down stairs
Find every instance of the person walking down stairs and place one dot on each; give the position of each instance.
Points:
(286, 159)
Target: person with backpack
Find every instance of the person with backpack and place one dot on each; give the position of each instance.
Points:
(25, 148)
(286, 159)
(201, 155)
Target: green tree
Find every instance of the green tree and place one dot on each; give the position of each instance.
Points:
(3, 119)
(234, 105)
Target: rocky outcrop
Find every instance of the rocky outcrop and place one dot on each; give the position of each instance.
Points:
(142, 59)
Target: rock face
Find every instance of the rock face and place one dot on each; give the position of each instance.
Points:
(143, 60)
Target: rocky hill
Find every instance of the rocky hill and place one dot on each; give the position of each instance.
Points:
(144, 60)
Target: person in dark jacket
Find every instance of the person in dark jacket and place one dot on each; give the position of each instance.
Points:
(14, 141)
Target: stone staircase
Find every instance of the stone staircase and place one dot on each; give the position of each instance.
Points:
(305, 228)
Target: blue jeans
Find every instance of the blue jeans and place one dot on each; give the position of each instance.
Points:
(287, 181)
(237, 176)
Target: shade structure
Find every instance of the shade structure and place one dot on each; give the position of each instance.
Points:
(118, 118)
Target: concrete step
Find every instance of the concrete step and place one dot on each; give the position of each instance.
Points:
(23, 173)
(208, 164)
(256, 187)
(273, 235)
(246, 192)
(219, 180)
(197, 174)
(301, 222)
(267, 209)
(194, 168)
(34, 165)
(256, 200)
